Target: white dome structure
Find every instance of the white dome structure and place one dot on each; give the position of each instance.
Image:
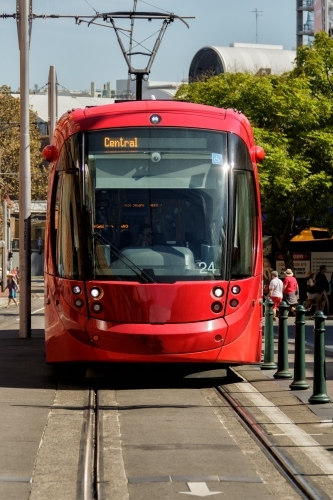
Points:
(243, 58)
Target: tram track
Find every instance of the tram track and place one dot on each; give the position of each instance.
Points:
(271, 450)
(90, 452)
(91, 480)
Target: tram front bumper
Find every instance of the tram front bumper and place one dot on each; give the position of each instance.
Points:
(199, 340)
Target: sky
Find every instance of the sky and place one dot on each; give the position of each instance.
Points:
(83, 54)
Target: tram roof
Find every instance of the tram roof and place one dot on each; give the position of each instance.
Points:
(154, 106)
(134, 113)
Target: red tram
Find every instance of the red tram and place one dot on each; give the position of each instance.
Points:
(153, 248)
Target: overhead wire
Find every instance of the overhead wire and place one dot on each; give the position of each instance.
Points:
(151, 5)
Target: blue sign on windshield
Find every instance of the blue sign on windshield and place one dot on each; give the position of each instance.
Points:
(217, 159)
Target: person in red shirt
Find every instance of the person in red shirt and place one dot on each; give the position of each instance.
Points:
(290, 290)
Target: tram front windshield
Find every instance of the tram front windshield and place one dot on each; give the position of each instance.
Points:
(158, 201)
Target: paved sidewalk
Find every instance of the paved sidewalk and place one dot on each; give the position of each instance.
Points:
(323, 411)
(27, 391)
(303, 431)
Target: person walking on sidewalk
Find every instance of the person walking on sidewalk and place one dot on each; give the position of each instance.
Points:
(275, 292)
(290, 290)
(12, 287)
(322, 288)
(310, 290)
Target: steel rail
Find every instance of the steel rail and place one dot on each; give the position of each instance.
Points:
(87, 489)
(280, 461)
(97, 451)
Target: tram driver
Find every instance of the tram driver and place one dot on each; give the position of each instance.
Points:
(145, 236)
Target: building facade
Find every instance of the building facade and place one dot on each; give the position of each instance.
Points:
(313, 16)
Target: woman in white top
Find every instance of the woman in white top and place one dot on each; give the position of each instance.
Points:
(275, 292)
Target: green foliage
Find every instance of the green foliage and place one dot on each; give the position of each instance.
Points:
(292, 117)
(10, 149)
(316, 62)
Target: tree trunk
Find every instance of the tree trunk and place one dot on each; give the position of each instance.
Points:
(283, 242)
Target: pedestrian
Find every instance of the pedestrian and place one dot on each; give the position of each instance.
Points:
(17, 277)
(290, 290)
(322, 288)
(310, 291)
(40, 245)
(275, 292)
(12, 288)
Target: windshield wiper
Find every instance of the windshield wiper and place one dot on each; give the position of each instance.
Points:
(119, 255)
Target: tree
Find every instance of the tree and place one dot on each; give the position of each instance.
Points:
(316, 61)
(10, 149)
(292, 118)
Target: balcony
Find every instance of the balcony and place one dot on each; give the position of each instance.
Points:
(305, 5)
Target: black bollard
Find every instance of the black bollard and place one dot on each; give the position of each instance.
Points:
(319, 395)
(283, 365)
(269, 337)
(299, 360)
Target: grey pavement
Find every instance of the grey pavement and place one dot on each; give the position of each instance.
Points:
(27, 391)
(323, 411)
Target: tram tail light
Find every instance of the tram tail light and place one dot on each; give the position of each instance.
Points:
(97, 307)
(234, 302)
(216, 307)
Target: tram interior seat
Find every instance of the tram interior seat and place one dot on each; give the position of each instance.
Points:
(159, 239)
(125, 239)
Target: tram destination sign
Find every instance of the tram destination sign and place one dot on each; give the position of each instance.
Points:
(162, 139)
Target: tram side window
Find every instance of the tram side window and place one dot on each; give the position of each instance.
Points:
(68, 262)
(243, 224)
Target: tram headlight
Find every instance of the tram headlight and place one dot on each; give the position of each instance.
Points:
(235, 290)
(97, 307)
(218, 292)
(234, 302)
(78, 302)
(95, 292)
(216, 307)
(76, 289)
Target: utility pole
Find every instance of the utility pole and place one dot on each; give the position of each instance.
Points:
(53, 101)
(257, 13)
(24, 27)
(130, 48)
